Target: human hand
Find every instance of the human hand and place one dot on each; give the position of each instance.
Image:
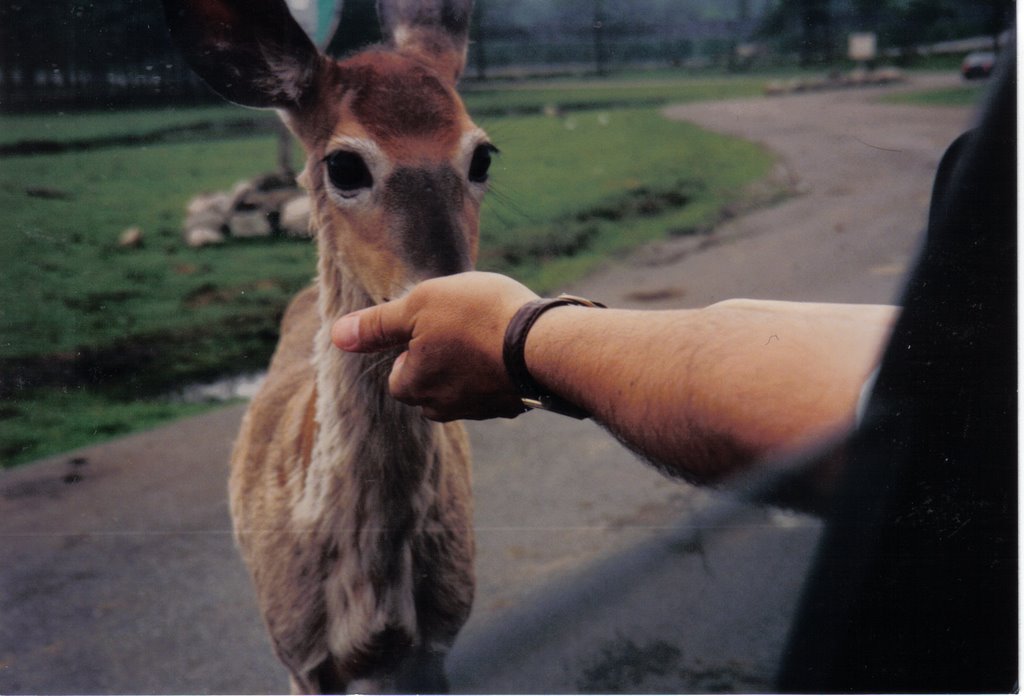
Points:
(453, 328)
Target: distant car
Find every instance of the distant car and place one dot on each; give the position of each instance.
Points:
(978, 64)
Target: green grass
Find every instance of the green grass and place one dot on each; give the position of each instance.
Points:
(583, 94)
(56, 420)
(75, 287)
(67, 127)
(494, 98)
(961, 95)
(567, 192)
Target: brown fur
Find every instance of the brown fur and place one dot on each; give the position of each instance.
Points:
(290, 559)
(352, 511)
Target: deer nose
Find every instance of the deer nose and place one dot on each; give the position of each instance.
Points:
(427, 205)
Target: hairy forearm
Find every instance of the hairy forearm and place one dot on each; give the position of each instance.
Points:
(703, 393)
(706, 392)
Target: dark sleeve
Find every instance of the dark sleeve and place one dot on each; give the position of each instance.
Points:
(915, 585)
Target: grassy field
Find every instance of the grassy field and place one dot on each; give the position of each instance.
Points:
(62, 127)
(618, 92)
(482, 99)
(568, 190)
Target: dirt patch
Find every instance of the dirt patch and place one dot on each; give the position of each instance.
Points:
(576, 235)
(623, 665)
(48, 194)
(50, 486)
(92, 302)
(644, 202)
(209, 294)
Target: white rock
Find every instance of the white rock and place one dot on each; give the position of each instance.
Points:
(239, 191)
(130, 238)
(294, 220)
(209, 202)
(203, 236)
(249, 223)
(207, 211)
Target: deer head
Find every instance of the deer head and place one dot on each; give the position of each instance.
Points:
(395, 167)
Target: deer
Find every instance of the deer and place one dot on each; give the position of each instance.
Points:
(351, 510)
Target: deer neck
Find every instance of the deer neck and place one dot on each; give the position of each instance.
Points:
(384, 448)
(368, 486)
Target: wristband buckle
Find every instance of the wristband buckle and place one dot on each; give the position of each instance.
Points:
(546, 402)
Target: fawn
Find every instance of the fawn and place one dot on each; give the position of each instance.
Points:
(352, 511)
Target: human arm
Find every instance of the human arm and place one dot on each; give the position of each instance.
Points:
(702, 392)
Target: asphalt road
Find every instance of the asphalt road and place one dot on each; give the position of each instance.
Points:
(119, 573)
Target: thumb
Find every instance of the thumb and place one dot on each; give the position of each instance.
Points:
(373, 329)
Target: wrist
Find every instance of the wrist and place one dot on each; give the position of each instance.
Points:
(532, 392)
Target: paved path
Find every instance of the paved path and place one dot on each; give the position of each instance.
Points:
(861, 171)
(595, 573)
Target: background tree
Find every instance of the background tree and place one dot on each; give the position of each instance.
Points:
(600, 56)
(478, 38)
(106, 52)
(805, 26)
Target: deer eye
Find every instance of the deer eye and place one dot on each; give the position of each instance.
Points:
(348, 172)
(481, 162)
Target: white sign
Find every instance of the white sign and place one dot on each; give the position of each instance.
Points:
(863, 46)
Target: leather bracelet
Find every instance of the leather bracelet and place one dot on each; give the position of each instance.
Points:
(514, 355)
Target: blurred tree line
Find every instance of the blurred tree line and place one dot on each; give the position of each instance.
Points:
(99, 52)
(816, 30)
(86, 52)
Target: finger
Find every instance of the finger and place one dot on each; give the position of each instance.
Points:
(373, 329)
(400, 382)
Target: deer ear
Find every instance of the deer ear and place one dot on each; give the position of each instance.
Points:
(436, 31)
(251, 52)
